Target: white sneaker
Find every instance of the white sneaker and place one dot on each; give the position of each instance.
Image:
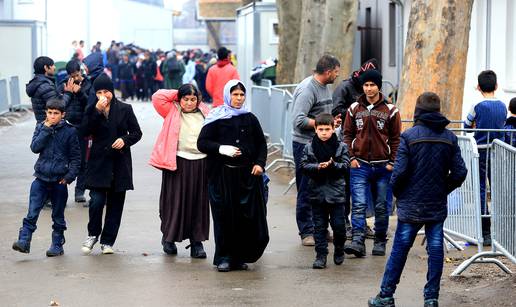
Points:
(107, 249)
(88, 244)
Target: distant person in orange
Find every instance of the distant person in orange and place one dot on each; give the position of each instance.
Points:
(79, 51)
(219, 75)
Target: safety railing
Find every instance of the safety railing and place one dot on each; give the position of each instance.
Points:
(503, 201)
(4, 97)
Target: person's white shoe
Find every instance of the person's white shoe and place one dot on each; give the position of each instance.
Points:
(107, 249)
(88, 244)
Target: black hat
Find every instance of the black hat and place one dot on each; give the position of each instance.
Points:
(428, 101)
(103, 82)
(373, 76)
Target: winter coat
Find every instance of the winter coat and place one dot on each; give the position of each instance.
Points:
(108, 167)
(326, 185)
(126, 71)
(217, 78)
(77, 105)
(164, 154)
(189, 74)
(243, 131)
(344, 95)
(94, 63)
(510, 124)
(59, 152)
(372, 135)
(40, 89)
(428, 167)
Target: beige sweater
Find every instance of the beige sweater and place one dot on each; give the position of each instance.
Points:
(191, 124)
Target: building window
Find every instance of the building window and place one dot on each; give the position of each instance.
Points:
(273, 31)
(392, 34)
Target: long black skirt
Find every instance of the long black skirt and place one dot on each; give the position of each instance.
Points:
(183, 205)
(239, 215)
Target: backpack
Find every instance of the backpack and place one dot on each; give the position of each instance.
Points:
(173, 67)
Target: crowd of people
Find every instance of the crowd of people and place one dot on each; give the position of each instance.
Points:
(349, 152)
(138, 72)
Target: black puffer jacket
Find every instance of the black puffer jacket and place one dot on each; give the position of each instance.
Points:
(40, 89)
(59, 152)
(326, 185)
(77, 105)
(428, 167)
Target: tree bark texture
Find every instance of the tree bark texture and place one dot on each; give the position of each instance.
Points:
(435, 54)
(289, 21)
(338, 37)
(310, 28)
(310, 37)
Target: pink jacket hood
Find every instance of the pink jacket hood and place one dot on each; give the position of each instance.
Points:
(164, 154)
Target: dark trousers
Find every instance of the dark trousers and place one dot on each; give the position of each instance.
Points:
(39, 192)
(334, 214)
(127, 88)
(303, 207)
(403, 239)
(374, 178)
(81, 179)
(114, 203)
(484, 168)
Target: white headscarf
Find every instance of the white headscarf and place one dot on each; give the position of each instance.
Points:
(226, 110)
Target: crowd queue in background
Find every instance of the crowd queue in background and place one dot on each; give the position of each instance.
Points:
(350, 155)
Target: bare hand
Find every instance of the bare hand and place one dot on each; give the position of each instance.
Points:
(68, 87)
(62, 181)
(102, 103)
(76, 88)
(239, 153)
(355, 164)
(47, 123)
(257, 170)
(325, 164)
(337, 121)
(389, 167)
(118, 144)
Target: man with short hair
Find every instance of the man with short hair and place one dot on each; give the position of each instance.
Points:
(311, 97)
(372, 133)
(219, 74)
(42, 87)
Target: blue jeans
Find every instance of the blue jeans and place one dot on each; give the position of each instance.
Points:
(303, 207)
(403, 239)
(39, 192)
(484, 166)
(334, 214)
(373, 178)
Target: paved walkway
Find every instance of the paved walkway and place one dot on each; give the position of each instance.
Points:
(139, 274)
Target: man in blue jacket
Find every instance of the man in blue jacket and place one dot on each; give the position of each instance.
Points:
(58, 163)
(428, 167)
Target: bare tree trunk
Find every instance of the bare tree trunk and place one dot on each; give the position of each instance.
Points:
(338, 36)
(289, 21)
(213, 34)
(310, 48)
(436, 54)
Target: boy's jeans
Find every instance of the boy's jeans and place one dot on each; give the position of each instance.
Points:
(303, 207)
(39, 191)
(374, 178)
(483, 169)
(404, 238)
(334, 214)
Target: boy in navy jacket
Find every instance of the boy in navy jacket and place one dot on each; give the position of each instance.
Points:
(59, 160)
(428, 167)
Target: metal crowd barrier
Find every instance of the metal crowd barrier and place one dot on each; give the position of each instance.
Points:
(503, 199)
(4, 97)
(464, 214)
(14, 86)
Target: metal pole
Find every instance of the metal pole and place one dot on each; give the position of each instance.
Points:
(488, 34)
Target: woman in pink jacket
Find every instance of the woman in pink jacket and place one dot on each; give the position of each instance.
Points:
(183, 204)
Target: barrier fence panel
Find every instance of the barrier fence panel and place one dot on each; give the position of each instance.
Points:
(503, 199)
(464, 214)
(14, 87)
(4, 97)
(261, 106)
(277, 120)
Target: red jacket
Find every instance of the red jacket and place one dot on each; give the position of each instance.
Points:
(372, 136)
(218, 75)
